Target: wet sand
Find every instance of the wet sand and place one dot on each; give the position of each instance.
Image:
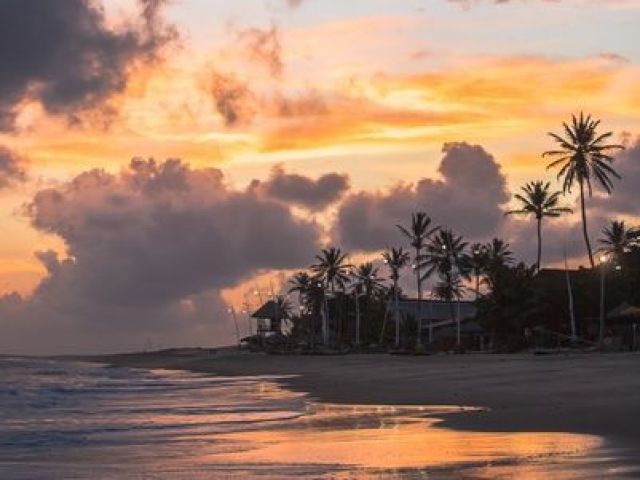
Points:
(575, 393)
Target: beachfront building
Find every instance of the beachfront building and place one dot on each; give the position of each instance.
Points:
(439, 319)
(268, 319)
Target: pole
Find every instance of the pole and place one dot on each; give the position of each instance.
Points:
(458, 321)
(357, 299)
(396, 312)
(572, 316)
(602, 309)
(235, 321)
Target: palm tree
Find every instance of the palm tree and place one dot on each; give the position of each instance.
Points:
(476, 262)
(331, 269)
(366, 283)
(583, 155)
(396, 259)
(618, 239)
(537, 200)
(301, 283)
(418, 233)
(445, 256)
(306, 287)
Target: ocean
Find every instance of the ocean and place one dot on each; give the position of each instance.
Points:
(73, 420)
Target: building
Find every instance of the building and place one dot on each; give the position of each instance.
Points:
(269, 318)
(441, 318)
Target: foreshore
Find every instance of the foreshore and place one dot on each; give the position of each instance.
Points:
(576, 393)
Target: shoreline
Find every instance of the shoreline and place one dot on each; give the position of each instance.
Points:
(596, 394)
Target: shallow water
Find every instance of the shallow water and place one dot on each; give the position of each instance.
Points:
(73, 420)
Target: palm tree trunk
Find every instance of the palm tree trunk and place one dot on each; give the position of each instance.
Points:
(539, 264)
(584, 225)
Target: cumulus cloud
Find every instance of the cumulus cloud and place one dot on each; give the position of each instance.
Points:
(626, 196)
(468, 198)
(62, 54)
(148, 250)
(301, 190)
(11, 168)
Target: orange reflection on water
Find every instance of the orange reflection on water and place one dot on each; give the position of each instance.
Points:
(391, 438)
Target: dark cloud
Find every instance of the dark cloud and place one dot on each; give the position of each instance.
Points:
(62, 54)
(468, 199)
(303, 191)
(264, 46)
(625, 199)
(232, 98)
(150, 249)
(11, 168)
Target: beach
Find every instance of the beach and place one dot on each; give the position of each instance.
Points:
(596, 394)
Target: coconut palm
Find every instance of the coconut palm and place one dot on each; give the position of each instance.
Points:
(537, 200)
(418, 233)
(498, 258)
(582, 156)
(618, 239)
(331, 270)
(301, 283)
(445, 255)
(476, 263)
(396, 259)
(366, 283)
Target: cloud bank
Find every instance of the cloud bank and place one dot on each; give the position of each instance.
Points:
(468, 198)
(148, 250)
(63, 55)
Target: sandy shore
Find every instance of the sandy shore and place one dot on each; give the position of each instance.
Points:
(579, 393)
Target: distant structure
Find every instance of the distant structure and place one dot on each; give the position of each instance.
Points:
(441, 318)
(268, 319)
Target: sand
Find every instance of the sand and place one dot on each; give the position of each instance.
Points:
(574, 393)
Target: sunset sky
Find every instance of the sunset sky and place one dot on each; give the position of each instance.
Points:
(289, 125)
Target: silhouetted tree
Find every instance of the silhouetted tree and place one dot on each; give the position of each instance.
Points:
(396, 259)
(617, 240)
(583, 155)
(418, 234)
(538, 201)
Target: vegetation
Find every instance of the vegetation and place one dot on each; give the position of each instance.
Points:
(536, 200)
(583, 155)
(516, 303)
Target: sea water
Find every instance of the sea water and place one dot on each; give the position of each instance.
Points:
(68, 420)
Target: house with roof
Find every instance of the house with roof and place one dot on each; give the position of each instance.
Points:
(441, 319)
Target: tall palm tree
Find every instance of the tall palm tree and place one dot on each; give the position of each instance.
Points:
(582, 156)
(537, 200)
(498, 258)
(331, 270)
(366, 283)
(301, 283)
(332, 267)
(618, 239)
(418, 233)
(445, 255)
(396, 259)
(476, 263)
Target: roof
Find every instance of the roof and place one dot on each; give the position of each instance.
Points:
(466, 328)
(624, 310)
(268, 310)
(437, 309)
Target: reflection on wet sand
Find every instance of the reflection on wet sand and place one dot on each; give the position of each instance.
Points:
(371, 440)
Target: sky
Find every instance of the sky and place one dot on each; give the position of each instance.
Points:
(160, 160)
